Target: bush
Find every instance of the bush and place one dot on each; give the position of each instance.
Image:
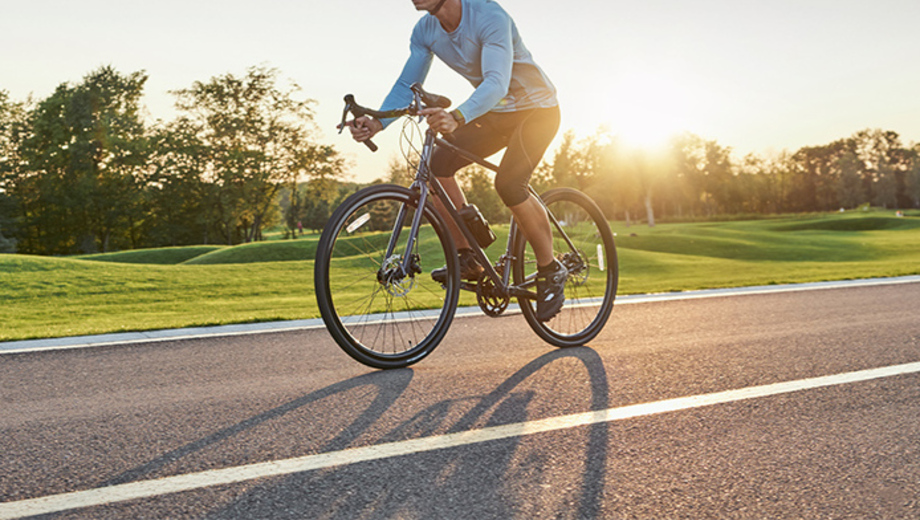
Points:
(7, 245)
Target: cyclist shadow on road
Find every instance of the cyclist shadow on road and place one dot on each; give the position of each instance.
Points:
(390, 385)
(559, 475)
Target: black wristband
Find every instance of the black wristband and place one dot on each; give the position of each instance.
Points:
(458, 117)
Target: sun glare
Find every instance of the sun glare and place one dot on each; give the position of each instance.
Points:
(645, 110)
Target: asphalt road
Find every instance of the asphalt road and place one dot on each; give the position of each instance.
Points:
(493, 424)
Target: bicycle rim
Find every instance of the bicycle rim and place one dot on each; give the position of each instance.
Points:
(376, 314)
(590, 254)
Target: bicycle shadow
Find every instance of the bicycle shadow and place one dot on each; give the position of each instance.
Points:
(390, 385)
(456, 482)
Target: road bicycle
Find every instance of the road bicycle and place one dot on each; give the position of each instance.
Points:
(372, 261)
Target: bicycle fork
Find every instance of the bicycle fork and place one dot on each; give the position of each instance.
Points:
(409, 261)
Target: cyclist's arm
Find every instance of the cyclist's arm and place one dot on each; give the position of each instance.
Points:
(415, 71)
(497, 61)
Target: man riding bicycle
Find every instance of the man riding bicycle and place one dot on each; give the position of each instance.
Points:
(513, 106)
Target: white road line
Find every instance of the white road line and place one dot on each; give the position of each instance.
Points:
(132, 338)
(191, 481)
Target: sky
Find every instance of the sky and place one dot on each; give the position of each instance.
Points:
(758, 76)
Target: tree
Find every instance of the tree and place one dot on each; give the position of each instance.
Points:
(82, 166)
(912, 178)
(884, 165)
(648, 172)
(592, 164)
(704, 173)
(12, 129)
(256, 136)
(815, 185)
(575, 163)
(322, 166)
(850, 192)
(886, 186)
(181, 204)
(762, 182)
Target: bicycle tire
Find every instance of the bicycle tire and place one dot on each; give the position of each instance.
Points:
(591, 289)
(378, 317)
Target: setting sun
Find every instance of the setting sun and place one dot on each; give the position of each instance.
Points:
(645, 109)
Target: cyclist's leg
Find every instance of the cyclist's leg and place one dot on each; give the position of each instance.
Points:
(534, 223)
(480, 138)
(526, 147)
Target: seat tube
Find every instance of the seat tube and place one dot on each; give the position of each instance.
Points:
(507, 258)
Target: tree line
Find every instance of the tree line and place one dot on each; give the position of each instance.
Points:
(694, 178)
(82, 171)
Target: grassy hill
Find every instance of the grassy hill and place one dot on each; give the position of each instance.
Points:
(161, 256)
(210, 285)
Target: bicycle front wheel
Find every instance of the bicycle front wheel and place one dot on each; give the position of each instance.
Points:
(584, 244)
(373, 292)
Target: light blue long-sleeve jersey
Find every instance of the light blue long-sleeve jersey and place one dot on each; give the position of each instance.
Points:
(487, 50)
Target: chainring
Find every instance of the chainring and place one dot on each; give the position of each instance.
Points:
(489, 299)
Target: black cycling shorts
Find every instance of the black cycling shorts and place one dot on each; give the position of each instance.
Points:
(526, 135)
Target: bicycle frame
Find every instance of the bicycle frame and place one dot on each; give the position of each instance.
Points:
(426, 184)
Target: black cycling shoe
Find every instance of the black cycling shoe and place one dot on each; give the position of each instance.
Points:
(550, 290)
(469, 268)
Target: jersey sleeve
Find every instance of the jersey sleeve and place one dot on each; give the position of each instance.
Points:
(415, 71)
(497, 61)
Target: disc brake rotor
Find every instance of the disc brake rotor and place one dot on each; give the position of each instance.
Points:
(393, 279)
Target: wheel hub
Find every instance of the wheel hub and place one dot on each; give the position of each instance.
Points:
(577, 267)
(394, 279)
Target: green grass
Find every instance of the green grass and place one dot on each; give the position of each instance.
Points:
(273, 280)
(274, 251)
(162, 256)
(51, 297)
(677, 257)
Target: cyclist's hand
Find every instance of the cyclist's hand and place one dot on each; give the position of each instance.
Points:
(439, 120)
(364, 128)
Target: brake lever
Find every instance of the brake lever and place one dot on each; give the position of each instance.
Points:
(341, 126)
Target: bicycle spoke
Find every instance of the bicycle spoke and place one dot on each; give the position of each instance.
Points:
(376, 309)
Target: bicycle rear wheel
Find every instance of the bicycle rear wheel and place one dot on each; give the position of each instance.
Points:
(377, 313)
(589, 254)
